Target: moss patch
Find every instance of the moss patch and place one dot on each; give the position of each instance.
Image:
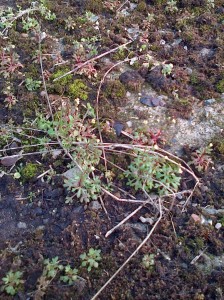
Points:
(220, 86)
(29, 172)
(78, 89)
(115, 90)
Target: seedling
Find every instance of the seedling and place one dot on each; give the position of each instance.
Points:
(51, 267)
(171, 6)
(30, 23)
(167, 69)
(91, 259)
(10, 99)
(148, 262)
(12, 282)
(201, 158)
(70, 275)
(9, 62)
(149, 172)
(32, 85)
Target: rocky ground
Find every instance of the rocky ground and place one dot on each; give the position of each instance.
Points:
(144, 74)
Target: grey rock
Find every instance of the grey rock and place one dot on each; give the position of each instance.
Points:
(72, 173)
(95, 205)
(147, 100)
(137, 227)
(213, 211)
(208, 53)
(189, 71)
(38, 211)
(22, 225)
(152, 101)
(118, 127)
(218, 226)
(176, 42)
(209, 101)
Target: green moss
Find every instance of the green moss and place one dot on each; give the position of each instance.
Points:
(159, 2)
(154, 47)
(60, 85)
(220, 86)
(30, 105)
(78, 89)
(221, 220)
(32, 71)
(121, 54)
(94, 6)
(219, 144)
(183, 102)
(29, 172)
(194, 79)
(115, 90)
(142, 6)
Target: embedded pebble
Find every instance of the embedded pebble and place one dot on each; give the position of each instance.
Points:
(118, 127)
(205, 52)
(147, 100)
(95, 205)
(209, 101)
(196, 218)
(146, 220)
(129, 123)
(9, 161)
(218, 226)
(152, 101)
(21, 225)
(158, 102)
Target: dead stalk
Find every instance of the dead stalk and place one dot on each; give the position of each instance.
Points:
(97, 108)
(50, 108)
(93, 59)
(133, 254)
(128, 217)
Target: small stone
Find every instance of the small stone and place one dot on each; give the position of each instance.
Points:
(21, 225)
(147, 100)
(205, 52)
(118, 127)
(189, 71)
(196, 218)
(24, 35)
(218, 226)
(95, 205)
(38, 211)
(146, 220)
(209, 101)
(179, 196)
(206, 221)
(176, 42)
(71, 173)
(139, 228)
(129, 124)
(9, 161)
(13, 145)
(155, 101)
